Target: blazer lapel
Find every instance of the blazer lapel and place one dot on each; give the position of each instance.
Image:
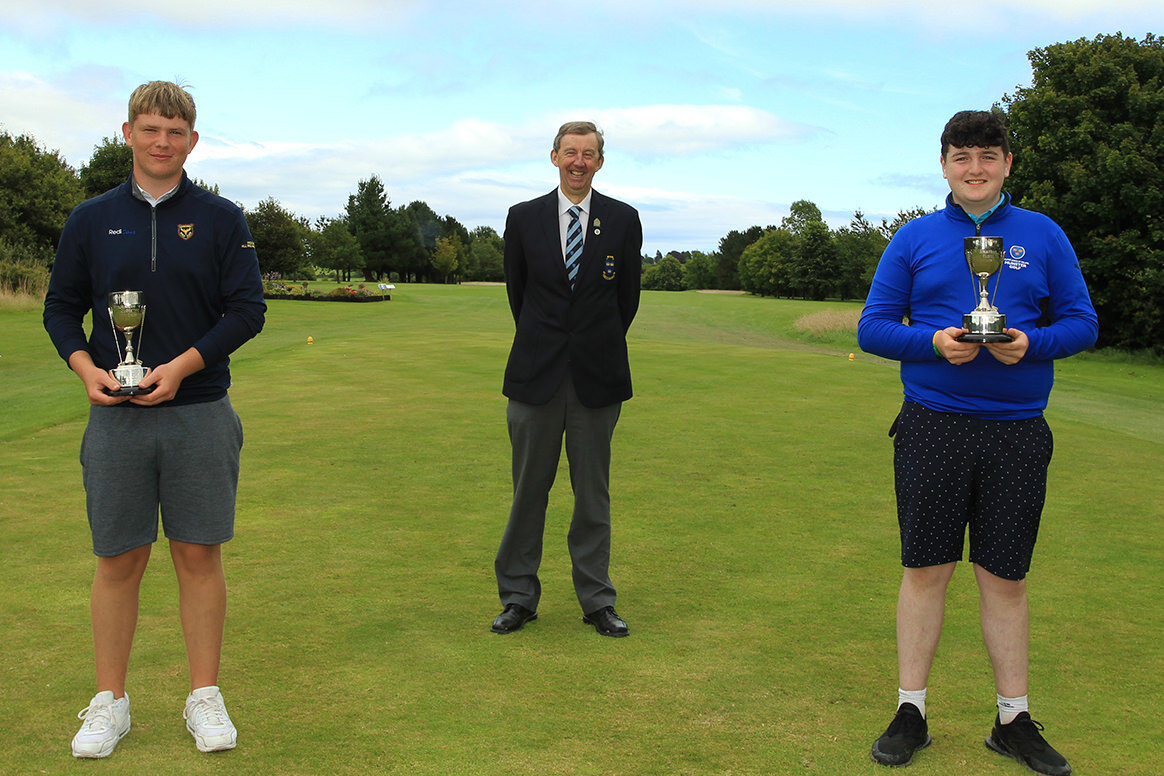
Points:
(548, 216)
(592, 245)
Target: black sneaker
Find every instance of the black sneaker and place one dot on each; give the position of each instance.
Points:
(1022, 740)
(907, 733)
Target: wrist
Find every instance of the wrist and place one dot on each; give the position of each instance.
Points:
(934, 342)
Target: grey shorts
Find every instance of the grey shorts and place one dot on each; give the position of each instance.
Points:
(183, 460)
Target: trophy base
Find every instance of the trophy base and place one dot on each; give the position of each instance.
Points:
(129, 375)
(985, 338)
(135, 390)
(984, 326)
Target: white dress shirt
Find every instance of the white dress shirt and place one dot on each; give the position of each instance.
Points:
(564, 206)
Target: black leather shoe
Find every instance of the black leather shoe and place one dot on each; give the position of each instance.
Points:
(607, 622)
(513, 619)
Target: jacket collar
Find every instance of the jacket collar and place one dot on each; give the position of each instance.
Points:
(955, 211)
(137, 193)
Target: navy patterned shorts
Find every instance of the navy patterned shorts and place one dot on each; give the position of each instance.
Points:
(953, 470)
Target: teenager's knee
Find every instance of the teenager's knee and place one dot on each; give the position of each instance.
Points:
(128, 567)
(196, 559)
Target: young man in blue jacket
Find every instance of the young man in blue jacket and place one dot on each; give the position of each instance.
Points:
(175, 448)
(971, 445)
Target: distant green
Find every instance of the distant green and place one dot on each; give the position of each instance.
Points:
(755, 555)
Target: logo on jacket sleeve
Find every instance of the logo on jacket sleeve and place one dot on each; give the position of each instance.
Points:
(608, 269)
(185, 231)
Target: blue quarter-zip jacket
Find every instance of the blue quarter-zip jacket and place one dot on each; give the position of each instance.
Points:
(923, 276)
(194, 258)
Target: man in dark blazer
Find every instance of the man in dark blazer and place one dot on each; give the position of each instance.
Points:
(572, 266)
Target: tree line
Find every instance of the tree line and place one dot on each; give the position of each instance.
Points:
(802, 257)
(1088, 143)
(376, 241)
(373, 239)
(1087, 136)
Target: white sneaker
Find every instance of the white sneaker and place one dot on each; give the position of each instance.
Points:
(207, 720)
(106, 721)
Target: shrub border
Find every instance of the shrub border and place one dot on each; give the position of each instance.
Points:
(350, 298)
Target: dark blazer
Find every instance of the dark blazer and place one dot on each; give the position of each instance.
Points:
(584, 331)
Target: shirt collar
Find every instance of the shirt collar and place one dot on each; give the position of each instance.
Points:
(982, 218)
(565, 204)
(145, 195)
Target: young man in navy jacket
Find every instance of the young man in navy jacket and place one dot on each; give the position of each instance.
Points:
(175, 448)
(971, 445)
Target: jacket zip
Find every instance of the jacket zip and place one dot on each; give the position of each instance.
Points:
(153, 239)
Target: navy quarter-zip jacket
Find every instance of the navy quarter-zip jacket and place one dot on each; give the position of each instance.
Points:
(194, 258)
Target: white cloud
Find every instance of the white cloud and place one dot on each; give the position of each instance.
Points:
(471, 143)
(470, 156)
(364, 13)
(671, 130)
(59, 119)
(354, 14)
(213, 149)
(449, 172)
(872, 8)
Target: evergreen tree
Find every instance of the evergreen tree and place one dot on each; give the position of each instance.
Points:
(280, 239)
(38, 190)
(666, 275)
(108, 167)
(731, 249)
(487, 255)
(1088, 142)
(368, 216)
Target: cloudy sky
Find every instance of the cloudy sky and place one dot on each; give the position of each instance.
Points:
(717, 114)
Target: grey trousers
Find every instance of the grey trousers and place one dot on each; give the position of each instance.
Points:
(535, 433)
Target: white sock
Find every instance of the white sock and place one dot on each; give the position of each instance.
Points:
(916, 697)
(1009, 708)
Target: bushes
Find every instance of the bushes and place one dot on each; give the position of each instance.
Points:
(23, 268)
(276, 288)
(667, 275)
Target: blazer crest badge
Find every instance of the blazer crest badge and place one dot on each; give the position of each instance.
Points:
(608, 269)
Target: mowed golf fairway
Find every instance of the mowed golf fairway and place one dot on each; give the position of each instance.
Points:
(755, 554)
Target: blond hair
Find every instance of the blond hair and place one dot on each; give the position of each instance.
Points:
(162, 97)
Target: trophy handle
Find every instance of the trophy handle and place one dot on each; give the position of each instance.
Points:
(116, 342)
(141, 330)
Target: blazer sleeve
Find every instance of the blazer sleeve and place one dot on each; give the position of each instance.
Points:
(513, 263)
(631, 276)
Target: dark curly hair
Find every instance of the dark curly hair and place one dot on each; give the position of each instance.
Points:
(975, 129)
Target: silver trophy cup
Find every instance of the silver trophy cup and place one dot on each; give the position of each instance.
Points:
(127, 314)
(984, 323)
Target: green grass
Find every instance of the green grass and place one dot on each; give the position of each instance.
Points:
(755, 553)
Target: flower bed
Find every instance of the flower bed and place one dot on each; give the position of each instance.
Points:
(302, 298)
(275, 288)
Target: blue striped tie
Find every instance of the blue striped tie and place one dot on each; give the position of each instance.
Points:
(573, 245)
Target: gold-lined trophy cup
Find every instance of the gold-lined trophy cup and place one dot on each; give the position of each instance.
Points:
(127, 311)
(984, 323)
